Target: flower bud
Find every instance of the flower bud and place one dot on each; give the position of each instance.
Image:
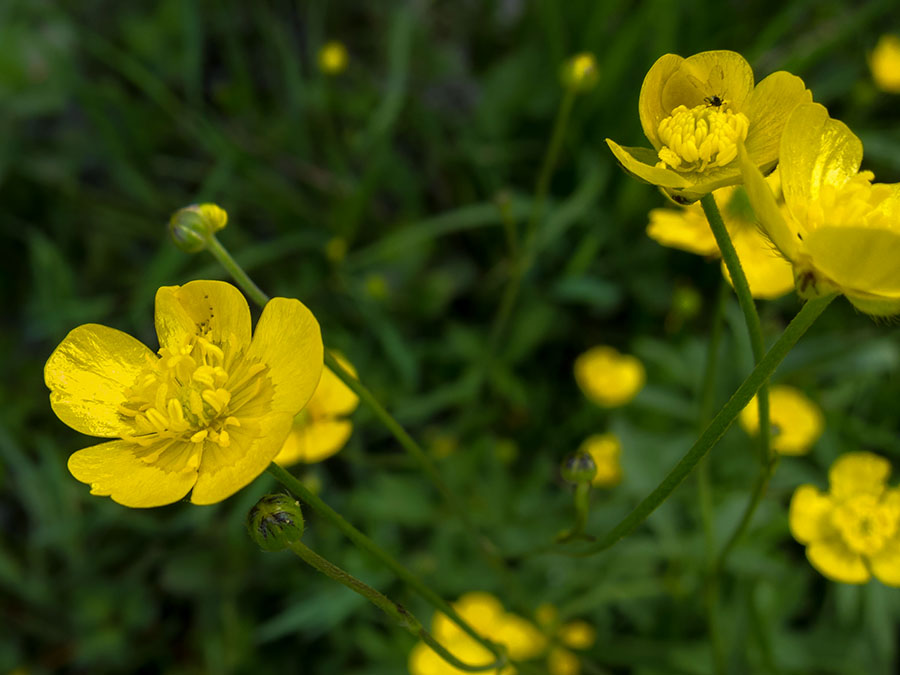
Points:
(580, 72)
(333, 58)
(275, 522)
(192, 226)
(579, 467)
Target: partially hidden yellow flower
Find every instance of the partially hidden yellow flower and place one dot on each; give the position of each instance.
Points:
(885, 64)
(697, 111)
(321, 429)
(606, 451)
(206, 414)
(841, 232)
(686, 228)
(487, 616)
(333, 58)
(608, 378)
(579, 72)
(563, 638)
(796, 421)
(852, 532)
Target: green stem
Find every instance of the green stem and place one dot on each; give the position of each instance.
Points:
(393, 609)
(236, 271)
(719, 425)
(748, 307)
(369, 546)
(582, 504)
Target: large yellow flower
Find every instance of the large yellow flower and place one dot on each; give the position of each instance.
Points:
(608, 378)
(322, 427)
(206, 414)
(853, 531)
(686, 228)
(797, 422)
(697, 111)
(841, 232)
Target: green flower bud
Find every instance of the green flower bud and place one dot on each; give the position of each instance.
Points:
(579, 467)
(275, 522)
(192, 226)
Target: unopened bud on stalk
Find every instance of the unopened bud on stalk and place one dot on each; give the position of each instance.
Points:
(192, 226)
(579, 72)
(275, 522)
(579, 467)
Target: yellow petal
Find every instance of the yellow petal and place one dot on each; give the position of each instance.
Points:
(113, 469)
(314, 441)
(332, 396)
(860, 259)
(88, 375)
(721, 73)
(225, 470)
(686, 229)
(650, 105)
(578, 634)
(521, 637)
(886, 563)
(768, 108)
(835, 560)
(810, 515)
(605, 450)
(768, 273)
(641, 162)
(815, 151)
(856, 473)
(289, 342)
(797, 422)
(201, 307)
(608, 378)
(766, 208)
(562, 662)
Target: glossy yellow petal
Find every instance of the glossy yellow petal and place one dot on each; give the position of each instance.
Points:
(89, 375)
(650, 104)
(835, 560)
(857, 258)
(886, 563)
(114, 469)
(767, 211)
(810, 515)
(856, 473)
(289, 342)
(225, 470)
(686, 229)
(563, 662)
(768, 108)
(721, 73)
(768, 273)
(578, 635)
(314, 440)
(641, 163)
(199, 308)
(332, 396)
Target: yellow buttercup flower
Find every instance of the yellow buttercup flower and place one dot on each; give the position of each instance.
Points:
(686, 228)
(608, 378)
(564, 637)
(486, 615)
(205, 414)
(841, 232)
(885, 64)
(322, 427)
(697, 111)
(851, 532)
(606, 450)
(796, 421)
(333, 58)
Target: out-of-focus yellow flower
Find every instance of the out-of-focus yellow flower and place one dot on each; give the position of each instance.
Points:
(333, 58)
(377, 287)
(573, 635)
(697, 111)
(851, 532)
(322, 427)
(486, 615)
(206, 414)
(336, 249)
(840, 231)
(580, 72)
(885, 64)
(768, 274)
(796, 421)
(608, 378)
(606, 450)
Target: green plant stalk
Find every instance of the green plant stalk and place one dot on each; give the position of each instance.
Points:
(237, 272)
(364, 543)
(393, 609)
(582, 502)
(719, 425)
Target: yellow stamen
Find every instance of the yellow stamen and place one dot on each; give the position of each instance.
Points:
(700, 138)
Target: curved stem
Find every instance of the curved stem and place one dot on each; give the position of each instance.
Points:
(719, 425)
(369, 546)
(393, 609)
(759, 489)
(236, 271)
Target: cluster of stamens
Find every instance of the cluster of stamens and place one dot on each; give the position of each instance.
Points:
(702, 137)
(866, 523)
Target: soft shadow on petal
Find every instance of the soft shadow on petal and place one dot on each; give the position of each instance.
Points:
(768, 109)
(858, 258)
(89, 375)
(636, 162)
(650, 106)
(855, 473)
(809, 515)
(768, 274)
(314, 441)
(112, 469)
(332, 395)
(886, 564)
(716, 73)
(834, 559)
(201, 307)
(684, 229)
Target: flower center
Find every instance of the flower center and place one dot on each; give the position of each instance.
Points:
(865, 523)
(701, 137)
(191, 396)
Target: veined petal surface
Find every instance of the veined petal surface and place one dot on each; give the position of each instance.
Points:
(200, 307)
(769, 108)
(721, 72)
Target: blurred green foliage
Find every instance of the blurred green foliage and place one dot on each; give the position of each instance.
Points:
(113, 115)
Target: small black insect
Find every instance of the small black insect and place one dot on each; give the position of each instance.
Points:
(714, 101)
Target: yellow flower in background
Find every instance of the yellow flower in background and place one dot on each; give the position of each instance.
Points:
(697, 111)
(606, 450)
(333, 58)
(486, 615)
(851, 532)
(885, 64)
(321, 429)
(580, 72)
(686, 228)
(608, 378)
(796, 421)
(562, 638)
(206, 414)
(841, 232)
